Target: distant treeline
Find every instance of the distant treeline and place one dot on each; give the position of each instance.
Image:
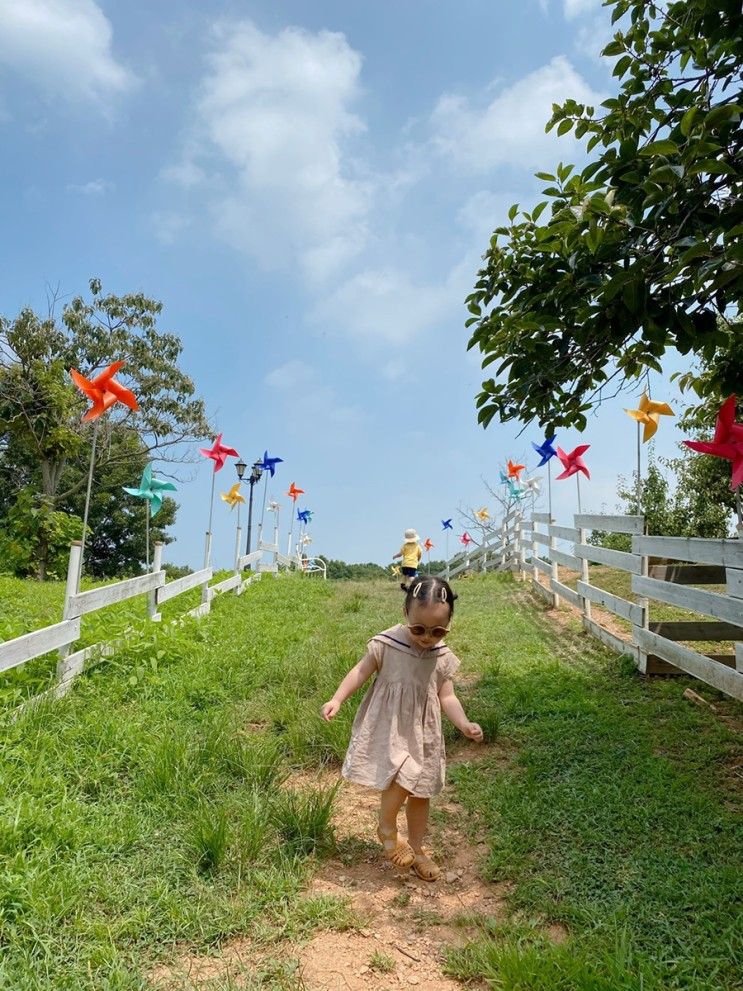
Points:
(342, 571)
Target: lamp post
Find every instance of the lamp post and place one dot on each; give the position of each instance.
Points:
(255, 476)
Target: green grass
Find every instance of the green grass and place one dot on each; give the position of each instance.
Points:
(150, 811)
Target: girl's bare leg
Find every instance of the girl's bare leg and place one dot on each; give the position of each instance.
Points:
(395, 850)
(417, 815)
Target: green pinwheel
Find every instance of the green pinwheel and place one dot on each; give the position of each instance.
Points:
(151, 489)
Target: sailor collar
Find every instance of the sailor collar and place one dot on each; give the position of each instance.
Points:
(400, 637)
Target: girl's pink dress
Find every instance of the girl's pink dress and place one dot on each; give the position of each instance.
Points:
(397, 734)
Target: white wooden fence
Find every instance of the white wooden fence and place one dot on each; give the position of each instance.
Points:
(662, 569)
(63, 636)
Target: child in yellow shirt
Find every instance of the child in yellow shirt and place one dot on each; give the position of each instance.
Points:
(411, 554)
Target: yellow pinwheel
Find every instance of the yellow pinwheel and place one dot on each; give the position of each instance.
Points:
(483, 515)
(649, 414)
(233, 497)
(395, 569)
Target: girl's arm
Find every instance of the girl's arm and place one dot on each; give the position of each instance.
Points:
(453, 709)
(358, 675)
(399, 554)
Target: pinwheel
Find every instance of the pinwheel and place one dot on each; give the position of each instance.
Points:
(532, 485)
(268, 464)
(466, 539)
(103, 391)
(395, 570)
(483, 515)
(727, 442)
(514, 471)
(233, 497)
(427, 546)
(515, 490)
(504, 477)
(546, 452)
(273, 506)
(304, 515)
(573, 464)
(446, 525)
(294, 493)
(151, 490)
(218, 453)
(647, 415)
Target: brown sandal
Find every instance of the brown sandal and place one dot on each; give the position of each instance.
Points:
(425, 868)
(397, 851)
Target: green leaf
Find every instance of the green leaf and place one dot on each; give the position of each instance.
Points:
(538, 211)
(546, 176)
(564, 127)
(687, 121)
(513, 211)
(662, 147)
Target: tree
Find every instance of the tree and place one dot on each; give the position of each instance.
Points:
(641, 251)
(44, 446)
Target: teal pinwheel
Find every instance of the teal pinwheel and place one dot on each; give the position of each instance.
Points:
(151, 489)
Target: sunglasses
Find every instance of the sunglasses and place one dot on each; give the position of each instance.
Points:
(425, 631)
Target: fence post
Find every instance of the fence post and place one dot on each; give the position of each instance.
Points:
(71, 588)
(207, 558)
(554, 576)
(584, 575)
(154, 615)
(644, 604)
(238, 542)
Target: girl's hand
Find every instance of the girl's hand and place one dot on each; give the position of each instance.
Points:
(329, 710)
(473, 732)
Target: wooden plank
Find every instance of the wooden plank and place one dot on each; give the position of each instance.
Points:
(543, 592)
(564, 533)
(97, 598)
(614, 559)
(271, 548)
(544, 566)
(695, 599)
(719, 676)
(541, 518)
(201, 610)
(170, 589)
(247, 559)
(699, 550)
(697, 630)
(541, 538)
(739, 657)
(566, 560)
(734, 581)
(566, 593)
(613, 524)
(272, 569)
(688, 574)
(614, 603)
(610, 640)
(24, 648)
(228, 583)
(74, 664)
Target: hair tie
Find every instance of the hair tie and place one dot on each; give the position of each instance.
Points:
(417, 589)
(442, 593)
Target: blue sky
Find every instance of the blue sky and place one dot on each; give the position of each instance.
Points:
(308, 189)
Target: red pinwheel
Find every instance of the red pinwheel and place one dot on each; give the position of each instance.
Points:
(466, 539)
(514, 471)
(429, 544)
(104, 391)
(294, 493)
(727, 441)
(219, 453)
(573, 462)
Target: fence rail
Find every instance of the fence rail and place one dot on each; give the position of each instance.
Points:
(62, 636)
(661, 570)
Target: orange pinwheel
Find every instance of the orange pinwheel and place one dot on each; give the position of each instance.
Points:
(514, 471)
(429, 544)
(648, 413)
(294, 493)
(104, 391)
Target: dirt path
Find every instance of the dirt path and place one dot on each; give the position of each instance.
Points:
(407, 922)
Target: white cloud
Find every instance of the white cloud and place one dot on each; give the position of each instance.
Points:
(510, 129)
(96, 187)
(62, 47)
(321, 406)
(186, 174)
(274, 115)
(576, 8)
(290, 376)
(168, 225)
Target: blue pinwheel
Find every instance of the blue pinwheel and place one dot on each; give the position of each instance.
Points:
(446, 525)
(515, 490)
(151, 489)
(504, 478)
(269, 464)
(546, 452)
(304, 515)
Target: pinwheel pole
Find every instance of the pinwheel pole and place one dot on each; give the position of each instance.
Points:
(208, 544)
(87, 499)
(291, 532)
(447, 555)
(263, 510)
(147, 532)
(577, 482)
(639, 477)
(549, 487)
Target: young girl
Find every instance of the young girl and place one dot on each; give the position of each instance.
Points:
(411, 554)
(397, 745)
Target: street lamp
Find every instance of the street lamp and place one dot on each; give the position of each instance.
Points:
(255, 476)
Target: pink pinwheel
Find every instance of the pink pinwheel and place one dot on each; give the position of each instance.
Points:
(573, 462)
(466, 539)
(219, 453)
(727, 441)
